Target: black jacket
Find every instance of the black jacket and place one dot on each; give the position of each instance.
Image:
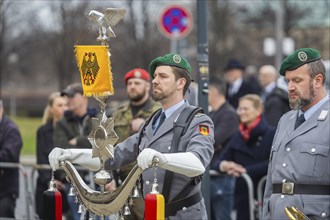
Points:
(276, 104)
(10, 149)
(246, 88)
(226, 122)
(71, 126)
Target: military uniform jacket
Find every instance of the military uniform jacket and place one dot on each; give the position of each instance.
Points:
(123, 128)
(193, 141)
(300, 156)
(123, 118)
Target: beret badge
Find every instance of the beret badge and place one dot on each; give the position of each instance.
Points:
(302, 56)
(177, 58)
(137, 74)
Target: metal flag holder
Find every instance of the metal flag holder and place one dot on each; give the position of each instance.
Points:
(102, 139)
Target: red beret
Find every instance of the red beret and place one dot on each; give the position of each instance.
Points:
(137, 73)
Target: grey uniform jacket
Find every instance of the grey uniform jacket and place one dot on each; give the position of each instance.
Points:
(300, 156)
(193, 141)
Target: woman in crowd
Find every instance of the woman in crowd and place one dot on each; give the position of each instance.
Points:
(247, 151)
(53, 112)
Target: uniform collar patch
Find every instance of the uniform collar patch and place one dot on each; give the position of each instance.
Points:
(323, 115)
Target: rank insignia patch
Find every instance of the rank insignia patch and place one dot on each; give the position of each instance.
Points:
(204, 130)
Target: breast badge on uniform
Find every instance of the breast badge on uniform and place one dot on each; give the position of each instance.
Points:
(204, 130)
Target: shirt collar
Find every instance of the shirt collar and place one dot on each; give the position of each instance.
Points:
(236, 85)
(173, 108)
(270, 87)
(314, 108)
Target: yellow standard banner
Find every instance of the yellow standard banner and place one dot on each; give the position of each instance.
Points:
(95, 69)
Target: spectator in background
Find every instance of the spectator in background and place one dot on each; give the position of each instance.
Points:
(72, 130)
(10, 148)
(275, 99)
(226, 122)
(251, 77)
(53, 112)
(247, 151)
(237, 85)
(128, 120)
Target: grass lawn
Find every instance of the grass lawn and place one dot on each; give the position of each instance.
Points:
(28, 127)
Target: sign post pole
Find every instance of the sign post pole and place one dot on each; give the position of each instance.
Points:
(203, 82)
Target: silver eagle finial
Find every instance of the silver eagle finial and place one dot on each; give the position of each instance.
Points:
(106, 21)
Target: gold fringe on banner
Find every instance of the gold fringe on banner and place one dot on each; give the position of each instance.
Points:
(95, 69)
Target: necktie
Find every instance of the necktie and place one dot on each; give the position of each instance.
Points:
(299, 121)
(161, 120)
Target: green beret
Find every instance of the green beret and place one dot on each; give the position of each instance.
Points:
(299, 58)
(169, 60)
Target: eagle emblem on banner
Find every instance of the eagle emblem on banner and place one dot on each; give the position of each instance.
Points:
(89, 68)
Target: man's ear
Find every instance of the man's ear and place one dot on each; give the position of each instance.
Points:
(319, 79)
(181, 83)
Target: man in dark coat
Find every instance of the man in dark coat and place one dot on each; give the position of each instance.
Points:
(226, 122)
(275, 99)
(237, 85)
(10, 148)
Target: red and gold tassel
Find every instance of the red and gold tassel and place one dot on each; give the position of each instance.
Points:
(154, 205)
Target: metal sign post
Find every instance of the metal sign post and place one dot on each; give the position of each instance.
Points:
(203, 81)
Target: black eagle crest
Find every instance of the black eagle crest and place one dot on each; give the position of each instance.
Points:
(89, 68)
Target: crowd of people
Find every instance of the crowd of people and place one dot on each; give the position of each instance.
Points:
(250, 129)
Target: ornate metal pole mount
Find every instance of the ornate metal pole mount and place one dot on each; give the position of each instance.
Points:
(106, 21)
(103, 137)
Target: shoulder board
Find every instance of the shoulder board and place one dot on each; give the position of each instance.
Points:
(198, 115)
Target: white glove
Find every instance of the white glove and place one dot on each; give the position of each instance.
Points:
(82, 157)
(184, 163)
(147, 155)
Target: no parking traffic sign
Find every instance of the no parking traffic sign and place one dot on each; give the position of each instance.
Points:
(175, 22)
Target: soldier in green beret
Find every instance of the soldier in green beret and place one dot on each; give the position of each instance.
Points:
(128, 119)
(299, 169)
(171, 78)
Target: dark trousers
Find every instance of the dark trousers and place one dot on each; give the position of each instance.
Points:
(222, 196)
(7, 206)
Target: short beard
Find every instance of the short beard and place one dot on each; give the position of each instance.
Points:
(138, 97)
(162, 95)
(158, 97)
(302, 102)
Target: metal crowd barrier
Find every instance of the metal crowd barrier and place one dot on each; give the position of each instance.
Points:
(252, 202)
(260, 195)
(30, 186)
(27, 193)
